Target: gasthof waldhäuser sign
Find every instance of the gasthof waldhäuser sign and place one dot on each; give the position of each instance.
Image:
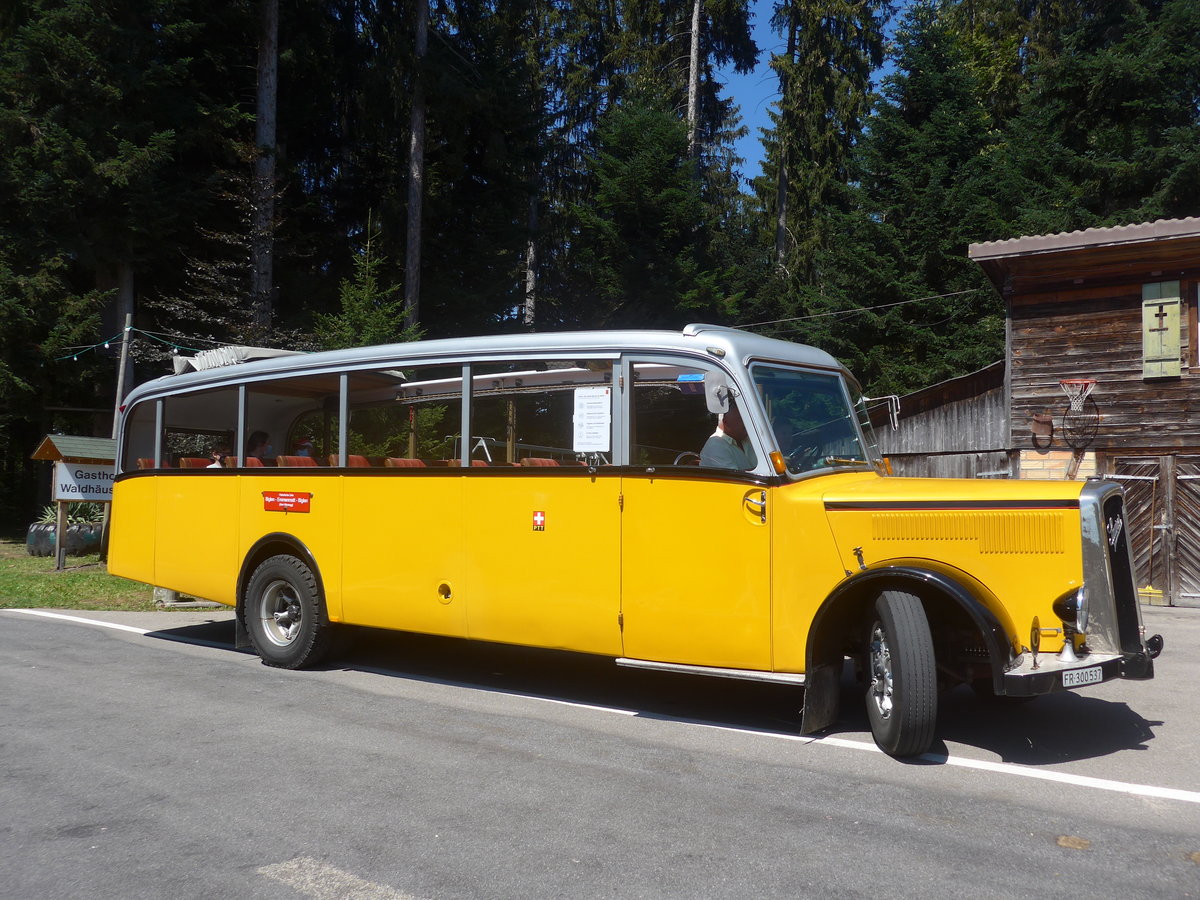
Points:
(78, 481)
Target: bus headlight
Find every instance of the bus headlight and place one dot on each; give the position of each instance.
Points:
(1072, 608)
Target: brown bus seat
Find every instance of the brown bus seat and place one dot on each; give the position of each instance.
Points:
(194, 462)
(295, 461)
(402, 462)
(353, 461)
(538, 461)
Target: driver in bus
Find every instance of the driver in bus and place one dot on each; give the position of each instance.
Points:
(729, 446)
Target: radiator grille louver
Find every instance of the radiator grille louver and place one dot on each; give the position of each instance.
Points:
(1032, 532)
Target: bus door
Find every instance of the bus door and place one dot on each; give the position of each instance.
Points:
(695, 541)
(542, 507)
(402, 532)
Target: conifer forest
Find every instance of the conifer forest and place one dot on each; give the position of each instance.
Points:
(322, 173)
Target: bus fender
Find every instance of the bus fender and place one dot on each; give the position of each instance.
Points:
(837, 626)
(265, 547)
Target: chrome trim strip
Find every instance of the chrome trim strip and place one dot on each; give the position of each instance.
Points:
(741, 674)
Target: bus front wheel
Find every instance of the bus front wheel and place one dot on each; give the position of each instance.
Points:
(285, 615)
(902, 675)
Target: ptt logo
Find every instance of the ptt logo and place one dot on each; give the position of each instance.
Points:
(1114, 526)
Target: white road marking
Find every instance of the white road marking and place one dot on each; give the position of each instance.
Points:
(607, 709)
(50, 615)
(316, 879)
(1102, 784)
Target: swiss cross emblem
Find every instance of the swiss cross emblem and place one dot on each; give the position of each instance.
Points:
(539, 520)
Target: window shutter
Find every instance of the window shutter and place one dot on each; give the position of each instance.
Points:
(1160, 330)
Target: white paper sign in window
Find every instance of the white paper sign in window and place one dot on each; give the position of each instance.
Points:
(593, 419)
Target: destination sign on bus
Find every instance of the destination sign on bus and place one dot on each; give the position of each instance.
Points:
(286, 501)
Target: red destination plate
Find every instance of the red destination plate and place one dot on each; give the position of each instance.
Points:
(286, 501)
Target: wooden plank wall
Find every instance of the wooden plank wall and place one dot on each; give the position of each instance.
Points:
(963, 438)
(1096, 332)
(955, 465)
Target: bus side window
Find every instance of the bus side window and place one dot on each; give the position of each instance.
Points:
(671, 420)
(195, 424)
(540, 414)
(404, 418)
(138, 447)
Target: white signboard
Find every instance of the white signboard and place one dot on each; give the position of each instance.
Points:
(76, 481)
(593, 419)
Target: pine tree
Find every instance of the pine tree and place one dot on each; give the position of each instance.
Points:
(636, 240)
(371, 312)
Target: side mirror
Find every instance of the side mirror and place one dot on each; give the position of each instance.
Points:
(718, 392)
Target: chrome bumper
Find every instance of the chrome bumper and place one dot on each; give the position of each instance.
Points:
(1043, 673)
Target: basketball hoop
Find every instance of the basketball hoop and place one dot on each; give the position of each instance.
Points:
(1082, 420)
(1077, 390)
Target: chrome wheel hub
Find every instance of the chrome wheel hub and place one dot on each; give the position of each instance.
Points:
(281, 613)
(881, 671)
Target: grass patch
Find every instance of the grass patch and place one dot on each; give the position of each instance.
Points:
(32, 581)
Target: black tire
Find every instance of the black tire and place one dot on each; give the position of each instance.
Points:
(902, 676)
(285, 614)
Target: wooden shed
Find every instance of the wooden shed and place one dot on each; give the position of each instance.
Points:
(1117, 307)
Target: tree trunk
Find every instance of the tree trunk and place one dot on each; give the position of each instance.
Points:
(531, 255)
(782, 188)
(416, 174)
(263, 224)
(693, 112)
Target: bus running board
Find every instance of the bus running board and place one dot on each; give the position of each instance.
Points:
(743, 674)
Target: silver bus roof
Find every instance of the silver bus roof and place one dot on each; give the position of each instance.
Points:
(699, 340)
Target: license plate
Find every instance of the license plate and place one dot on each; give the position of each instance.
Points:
(1080, 677)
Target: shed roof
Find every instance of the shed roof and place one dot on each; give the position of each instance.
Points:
(1089, 237)
(73, 448)
(1166, 248)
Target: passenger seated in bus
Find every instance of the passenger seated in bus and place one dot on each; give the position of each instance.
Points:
(257, 446)
(729, 446)
(218, 455)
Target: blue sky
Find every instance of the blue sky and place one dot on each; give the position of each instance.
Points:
(757, 91)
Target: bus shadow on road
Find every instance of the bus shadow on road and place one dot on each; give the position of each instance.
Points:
(1059, 727)
(1056, 728)
(542, 674)
(575, 678)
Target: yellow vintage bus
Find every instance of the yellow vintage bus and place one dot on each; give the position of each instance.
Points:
(705, 501)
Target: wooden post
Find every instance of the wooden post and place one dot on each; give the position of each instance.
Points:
(116, 425)
(1167, 533)
(60, 536)
(121, 374)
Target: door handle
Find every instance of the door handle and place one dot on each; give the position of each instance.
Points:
(758, 504)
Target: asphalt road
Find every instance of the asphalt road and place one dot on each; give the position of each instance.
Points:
(153, 760)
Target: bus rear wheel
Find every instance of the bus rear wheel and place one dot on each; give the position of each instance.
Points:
(285, 615)
(902, 676)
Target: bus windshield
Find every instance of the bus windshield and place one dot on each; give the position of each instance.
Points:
(813, 420)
